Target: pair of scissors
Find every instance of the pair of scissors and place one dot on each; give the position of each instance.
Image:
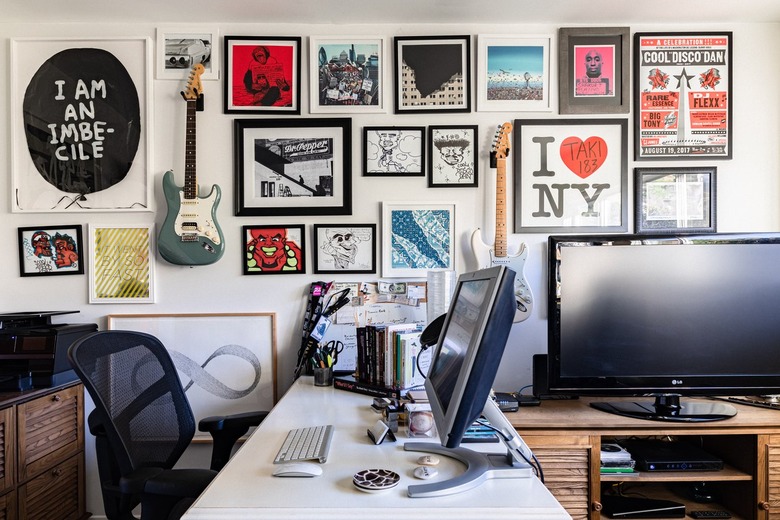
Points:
(332, 349)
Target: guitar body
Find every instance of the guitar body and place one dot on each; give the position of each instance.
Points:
(486, 256)
(190, 234)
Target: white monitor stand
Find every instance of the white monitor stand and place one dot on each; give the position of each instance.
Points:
(479, 466)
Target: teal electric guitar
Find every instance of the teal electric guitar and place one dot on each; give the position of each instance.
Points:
(498, 254)
(190, 234)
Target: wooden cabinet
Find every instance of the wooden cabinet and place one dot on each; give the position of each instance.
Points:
(566, 436)
(42, 454)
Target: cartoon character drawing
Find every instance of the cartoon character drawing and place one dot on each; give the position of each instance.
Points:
(41, 242)
(270, 249)
(452, 149)
(65, 247)
(342, 246)
(388, 142)
(658, 79)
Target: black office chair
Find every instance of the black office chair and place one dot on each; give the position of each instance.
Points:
(142, 424)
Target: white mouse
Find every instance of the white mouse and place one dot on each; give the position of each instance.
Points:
(297, 469)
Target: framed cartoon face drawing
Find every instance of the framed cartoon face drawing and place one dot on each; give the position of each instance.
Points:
(344, 248)
(452, 158)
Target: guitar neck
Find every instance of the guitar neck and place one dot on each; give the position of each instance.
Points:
(500, 240)
(190, 183)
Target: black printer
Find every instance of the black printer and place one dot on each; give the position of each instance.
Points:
(34, 351)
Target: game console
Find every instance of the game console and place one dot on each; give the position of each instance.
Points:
(658, 455)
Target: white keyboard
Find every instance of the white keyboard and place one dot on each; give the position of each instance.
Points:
(309, 443)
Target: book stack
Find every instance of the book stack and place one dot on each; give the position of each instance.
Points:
(616, 459)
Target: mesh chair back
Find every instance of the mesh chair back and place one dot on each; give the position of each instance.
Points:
(133, 382)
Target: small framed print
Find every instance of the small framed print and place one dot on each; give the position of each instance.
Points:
(675, 200)
(274, 249)
(263, 75)
(393, 151)
(347, 248)
(593, 70)
(121, 260)
(50, 250)
(181, 47)
(417, 237)
(432, 74)
(453, 156)
(347, 74)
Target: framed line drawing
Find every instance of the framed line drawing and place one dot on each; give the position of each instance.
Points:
(417, 237)
(50, 250)
(274, 249)
(452, 161)
(432, 74)
(179, 47)
(675, 200)
(262, 75)
(593, 75)
(345, 248)
(122, 262)
(81, 132)
(513, 73)
(682, 98)
(347, 74)
(570, 175)
(293, 167)
(393, 151)
(226, 362)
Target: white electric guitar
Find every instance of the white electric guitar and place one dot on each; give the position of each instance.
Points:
(488, 256)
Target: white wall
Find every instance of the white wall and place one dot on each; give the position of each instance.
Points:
(747, 190)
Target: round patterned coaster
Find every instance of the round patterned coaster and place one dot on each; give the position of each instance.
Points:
(372, 480)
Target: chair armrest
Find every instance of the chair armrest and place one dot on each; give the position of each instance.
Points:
(226, 430)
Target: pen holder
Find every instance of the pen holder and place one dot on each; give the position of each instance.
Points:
(323, 376)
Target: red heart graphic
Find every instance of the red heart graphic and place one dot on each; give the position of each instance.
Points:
(583, 158)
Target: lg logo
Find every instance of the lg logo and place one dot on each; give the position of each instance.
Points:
(677, 381)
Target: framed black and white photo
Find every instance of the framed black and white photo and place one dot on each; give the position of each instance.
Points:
(393, 151)
(180, 47)
(453, 156)
(675, 200)
(345, 248)
(293, 167)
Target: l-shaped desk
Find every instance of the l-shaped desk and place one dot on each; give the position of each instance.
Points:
(245, 489)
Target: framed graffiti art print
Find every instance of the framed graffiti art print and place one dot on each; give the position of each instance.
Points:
(570, 175)
(274, 249)
(393, 151)
(344, 248)
(452, 160)
(50, 250)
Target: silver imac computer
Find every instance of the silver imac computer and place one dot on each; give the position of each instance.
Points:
(463, 367)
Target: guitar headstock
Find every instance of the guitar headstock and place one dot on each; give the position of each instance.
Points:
(194, 88)
(501, 141)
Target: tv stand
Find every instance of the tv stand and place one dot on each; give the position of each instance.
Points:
(669, 408)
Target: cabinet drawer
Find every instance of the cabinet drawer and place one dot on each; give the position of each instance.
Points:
(55, 494)
(8, 506)
(566, 473)
(50, 430)
(7, 443)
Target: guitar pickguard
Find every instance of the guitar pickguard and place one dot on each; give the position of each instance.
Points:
(194, 222)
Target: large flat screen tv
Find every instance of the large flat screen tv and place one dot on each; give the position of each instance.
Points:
(665, 317)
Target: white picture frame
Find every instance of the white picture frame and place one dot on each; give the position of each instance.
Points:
(121, 264)
(193, 41)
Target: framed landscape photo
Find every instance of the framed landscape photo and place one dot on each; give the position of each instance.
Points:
(452, 161)
(675, 200)
(513, 73)
(180, 47)
(393, 151)
(50, 250)
(293, 167)
(593, 70)
(432, 74)
(570, 175)
(262, 75)
(347, 74)
(417, 237)
(345, 248)
(683, 93)
(121, 260)
(274, 249)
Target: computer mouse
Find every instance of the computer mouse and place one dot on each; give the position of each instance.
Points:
(297, 469)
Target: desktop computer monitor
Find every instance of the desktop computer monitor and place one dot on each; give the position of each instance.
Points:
(464, 364)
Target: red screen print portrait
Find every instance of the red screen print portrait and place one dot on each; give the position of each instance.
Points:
(594, 70)
(271, 249)
(262, 75)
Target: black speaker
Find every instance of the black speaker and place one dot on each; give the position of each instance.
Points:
(540, 384)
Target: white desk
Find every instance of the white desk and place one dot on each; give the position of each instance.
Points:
(245, 488)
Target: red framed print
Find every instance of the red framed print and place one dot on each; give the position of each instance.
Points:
(263, 74)
(274, 249)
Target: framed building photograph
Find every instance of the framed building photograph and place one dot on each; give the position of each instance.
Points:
(452, 161)
(570, 175)
(50, 250)
(593, 70)
(122, 262)
(417, 237)
(345, 248)
(77, 106)
(347, 74)
(274, 249)
(226, 361)
(293, 167)
(393, 151)
(180, 47)
(675, 200)
(262, 75)
(432, 74)
(513, 73)
(683, 95)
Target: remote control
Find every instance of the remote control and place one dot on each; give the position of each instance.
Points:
(710, 514)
